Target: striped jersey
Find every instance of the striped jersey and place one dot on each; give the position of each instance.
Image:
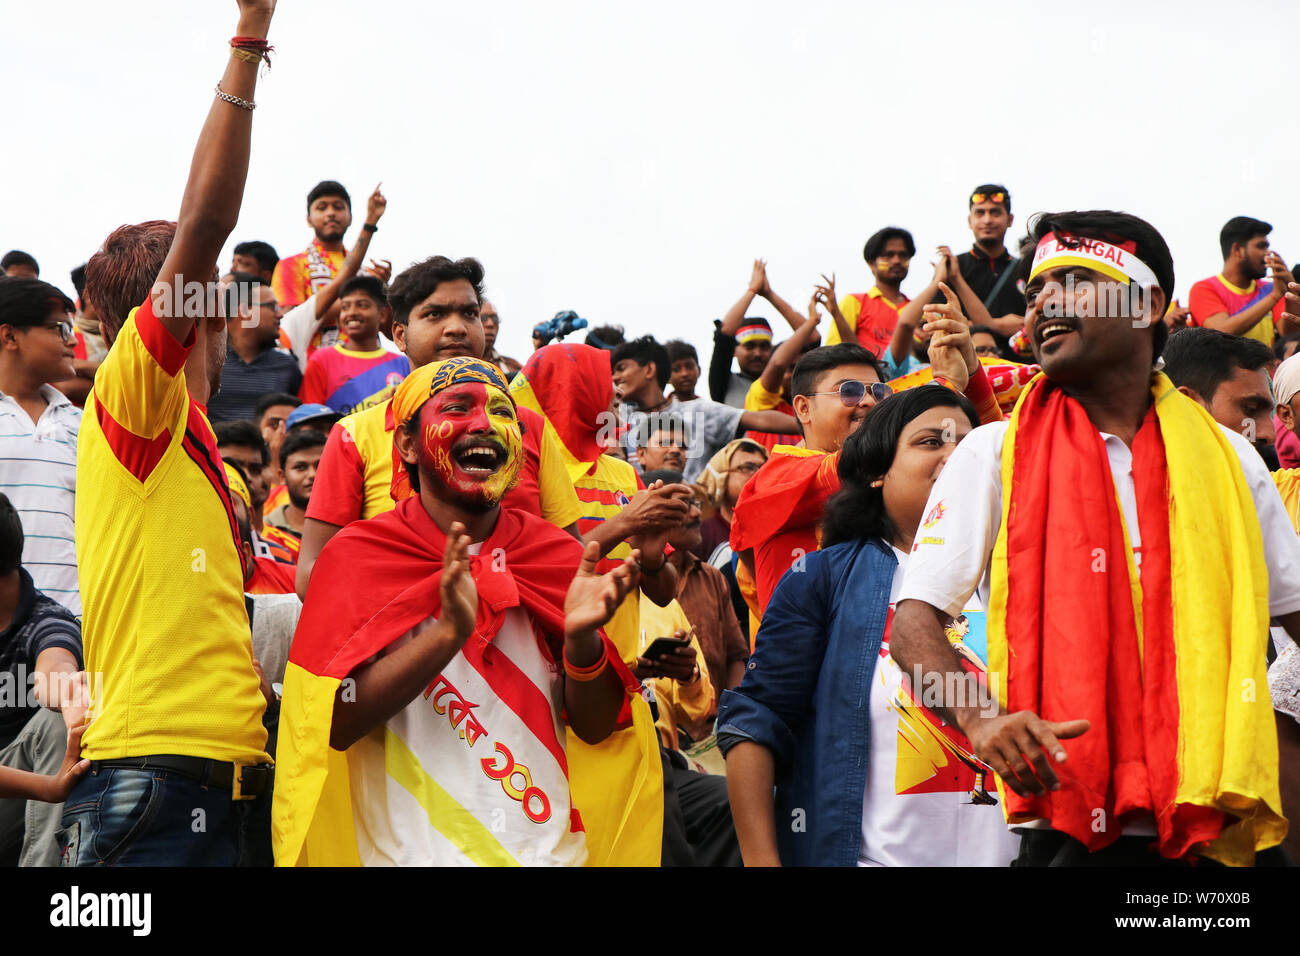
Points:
(349, 381)
(472, 772)
(38, 474)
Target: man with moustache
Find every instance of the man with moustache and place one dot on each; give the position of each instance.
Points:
(1115, 622)
(436, 315)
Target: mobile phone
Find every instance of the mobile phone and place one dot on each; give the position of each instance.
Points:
(663, 646)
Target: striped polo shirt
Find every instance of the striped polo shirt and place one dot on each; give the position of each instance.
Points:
(38, 473)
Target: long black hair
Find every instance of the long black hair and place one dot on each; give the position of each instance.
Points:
(858, 510)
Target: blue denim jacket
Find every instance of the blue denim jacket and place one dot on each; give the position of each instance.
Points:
(805, 694)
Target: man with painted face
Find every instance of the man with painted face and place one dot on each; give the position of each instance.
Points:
(436, 315)
(1115, 622)
(475, 633)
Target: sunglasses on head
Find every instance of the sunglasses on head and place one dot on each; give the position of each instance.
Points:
(976, 198)
(852, 392)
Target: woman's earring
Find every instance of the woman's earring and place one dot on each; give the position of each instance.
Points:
(878, 483)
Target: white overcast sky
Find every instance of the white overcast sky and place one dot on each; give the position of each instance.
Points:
(629, 161)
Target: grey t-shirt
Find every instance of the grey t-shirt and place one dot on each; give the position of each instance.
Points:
(709, 426)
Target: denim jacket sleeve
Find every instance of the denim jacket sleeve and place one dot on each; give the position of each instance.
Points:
(776, 696)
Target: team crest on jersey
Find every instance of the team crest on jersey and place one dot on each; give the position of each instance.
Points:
(621, 499)
(933, 517)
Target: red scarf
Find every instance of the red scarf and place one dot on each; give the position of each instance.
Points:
(1072, 638)
(573, 385)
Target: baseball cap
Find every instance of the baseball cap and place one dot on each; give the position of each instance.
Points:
(312, 412)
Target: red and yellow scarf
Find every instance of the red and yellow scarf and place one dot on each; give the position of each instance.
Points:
(1167, 663)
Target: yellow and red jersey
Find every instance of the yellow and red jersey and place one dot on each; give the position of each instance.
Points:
(161, 567)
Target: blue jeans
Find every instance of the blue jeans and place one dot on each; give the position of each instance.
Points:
(122, 816)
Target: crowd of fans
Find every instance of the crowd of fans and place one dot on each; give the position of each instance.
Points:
(1003, 573)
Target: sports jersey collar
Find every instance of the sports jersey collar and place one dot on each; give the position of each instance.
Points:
(979, 253)
(354, 353)
(1232, 288)
(875, 293)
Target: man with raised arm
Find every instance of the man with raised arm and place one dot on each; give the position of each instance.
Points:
(178, 717)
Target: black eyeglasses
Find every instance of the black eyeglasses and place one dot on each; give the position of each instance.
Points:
(63, 328)
(851, 392)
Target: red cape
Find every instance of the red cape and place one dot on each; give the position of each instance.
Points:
(391, 565)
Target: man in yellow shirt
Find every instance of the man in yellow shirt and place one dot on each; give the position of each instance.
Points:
(177, 735)
(436, 315)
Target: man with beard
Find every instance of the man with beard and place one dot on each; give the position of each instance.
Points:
(179, 732)
(329, 213)
(872, 315)
(435, 307)
(1115, 621)
(439, 674)
(1236, 301)
(985, 277)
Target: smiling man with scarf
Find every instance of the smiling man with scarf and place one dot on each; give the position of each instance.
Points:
(1131, 553)
(425, 707)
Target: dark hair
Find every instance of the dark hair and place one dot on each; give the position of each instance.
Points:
(1116, 227)
(16, 257)
(271, 400)
(419, 281)
(679, 350)
(328, 187)
(876, 244)
(242, 291)
(120, 275)
(1241, 229)
(79, 280)
(243, 433)
(11, 537)
(812, 365)
(369, 285)
(1203, 359)
(263, 252)
(643, 351)
(296, 441)
(668, 476)
(1279, 347)
(857, 510)
(1000, 340)
(607, 337)
(657, 422)
(992, 188)
(29, 302)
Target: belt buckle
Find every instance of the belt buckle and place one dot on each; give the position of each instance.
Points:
(236, 783)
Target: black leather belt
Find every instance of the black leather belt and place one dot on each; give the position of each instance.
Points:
(244, 781)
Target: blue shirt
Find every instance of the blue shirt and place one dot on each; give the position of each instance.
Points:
(805, 694)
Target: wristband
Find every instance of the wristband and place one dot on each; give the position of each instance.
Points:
(584, 674)
(235, 100)
(370, 227)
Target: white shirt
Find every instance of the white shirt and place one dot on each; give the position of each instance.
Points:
(38, 473)
(952, 552)
(951, 558)
(917, 808)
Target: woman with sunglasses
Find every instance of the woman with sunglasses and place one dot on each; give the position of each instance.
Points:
(863, 774)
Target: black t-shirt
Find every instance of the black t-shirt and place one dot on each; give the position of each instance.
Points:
(982, 274)
(38, 623)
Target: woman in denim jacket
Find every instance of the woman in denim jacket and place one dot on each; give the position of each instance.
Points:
(799, 723)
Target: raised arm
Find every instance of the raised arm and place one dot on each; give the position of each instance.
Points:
(785, 308)
(735, 316)
(215, 188)
(788, 352)
(909, 316)
(376, 205)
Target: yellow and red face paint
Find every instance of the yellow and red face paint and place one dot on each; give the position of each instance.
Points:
(464, 412)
